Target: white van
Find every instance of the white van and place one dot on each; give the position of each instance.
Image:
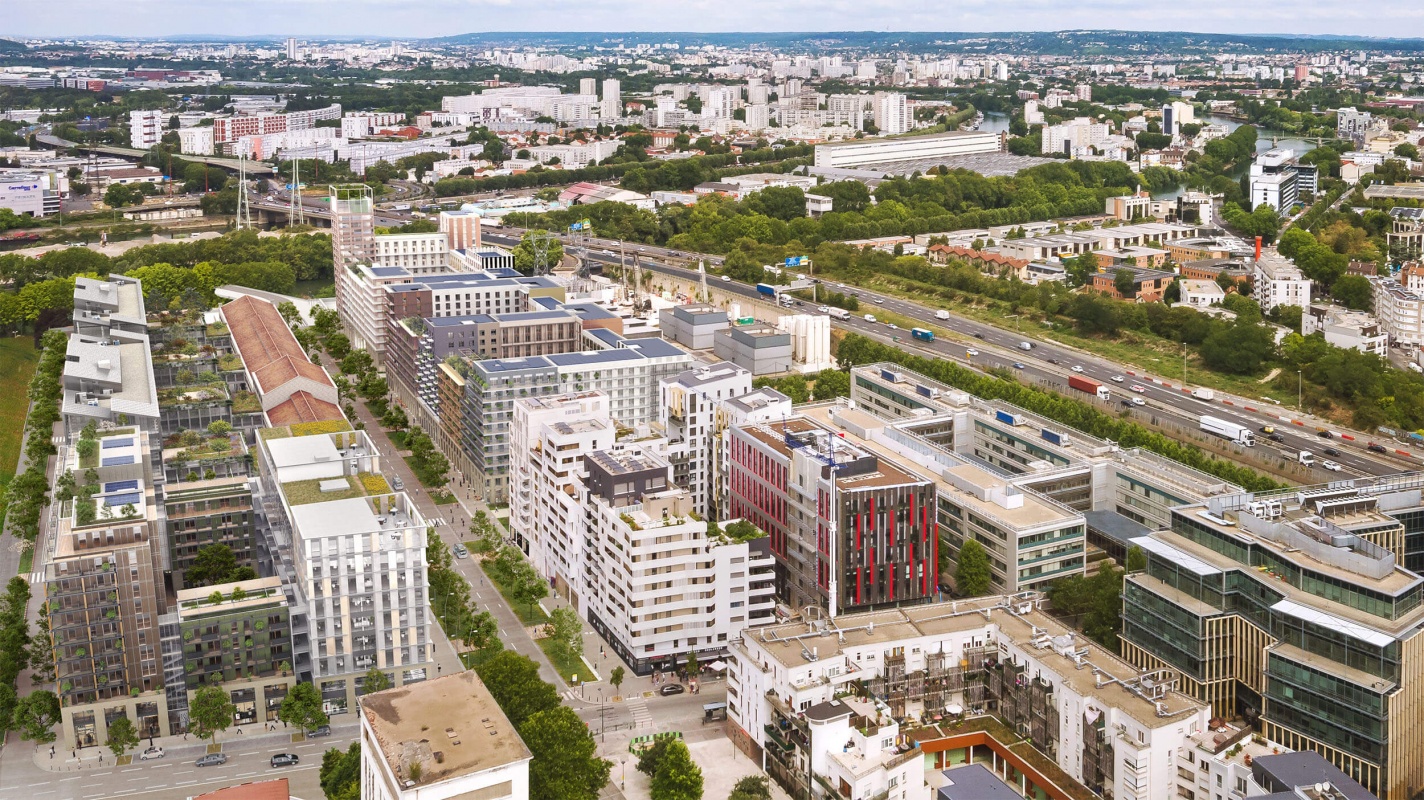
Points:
(941, 314)
(869, 317)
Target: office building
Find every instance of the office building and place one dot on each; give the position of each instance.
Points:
(629, 371)
(822, 702)
(692, 325)
(32, 193)
(357, 553)
(1294, 605)
(146, 128)
(1175, 115)
(445, 739)
(693, 420)
(612, 107)
(243, 641)
(1278, 180)
(1279, 282)
(872, 153)
(850, 529)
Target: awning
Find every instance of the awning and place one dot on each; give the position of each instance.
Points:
(717, 666)
(954, 708)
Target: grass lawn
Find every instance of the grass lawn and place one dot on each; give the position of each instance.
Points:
(325, 287)
(411, 463)
(27, 561)
(567, 668)
(397, 438)
(441, 498)
(18, 359)
(528, 615)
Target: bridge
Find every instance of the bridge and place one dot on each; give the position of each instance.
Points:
(254, 168)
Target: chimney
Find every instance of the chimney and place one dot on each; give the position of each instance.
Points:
(1258, 248)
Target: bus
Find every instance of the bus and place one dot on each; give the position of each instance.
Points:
(922, 334)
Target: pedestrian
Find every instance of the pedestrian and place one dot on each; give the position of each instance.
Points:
(51, 753)
(74, 753)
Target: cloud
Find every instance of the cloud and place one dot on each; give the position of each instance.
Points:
(429, 18)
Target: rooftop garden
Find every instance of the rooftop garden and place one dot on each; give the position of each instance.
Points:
(734, 533)
(229, 363)
(236, 595)
(300, 493)
(245, 402)
(217, 329)
(324, 426)
(217, 443)
(192, 394)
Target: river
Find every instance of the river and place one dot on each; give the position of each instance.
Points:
(1263, 143)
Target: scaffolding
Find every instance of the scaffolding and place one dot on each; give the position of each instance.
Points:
(353, 225)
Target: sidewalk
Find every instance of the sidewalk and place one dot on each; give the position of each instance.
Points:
(185, 748)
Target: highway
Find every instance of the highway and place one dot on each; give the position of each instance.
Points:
(1050, 365)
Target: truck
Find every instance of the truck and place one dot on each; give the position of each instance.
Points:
(401, 207)
(1206, 395)
(767, 289)
(941, 314)
(1230, 431)
(840, 313)
(1090, 386)
(1305, 457)
(923, 334)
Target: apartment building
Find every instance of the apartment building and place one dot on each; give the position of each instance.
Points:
(1278, 180)
(693, 419)
(416, 253)
(243, 641)
(112, 307)
(199, 513)
(108, 380)
(475, 752)
(612, 107)
(850, 529)
(353, 230)
(1352, 330)
(1073, 135)
(1400, 311)
(892, 113)
(1405, 238)
(629, 371)
(357, 553)
(227, 130)
(1293, 605)
(998, 662)
(657, 583)
(1279, 282)
(146, 128)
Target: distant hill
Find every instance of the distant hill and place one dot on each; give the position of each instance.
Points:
(12, 46)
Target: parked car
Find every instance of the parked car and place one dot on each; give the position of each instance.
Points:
(211, 760)
(1332, 452)
(1117, 379)
(1376, 448)
(285, 760)
(322, 730)
(151, 753)
(1330, 465)
(461, 551)
(671, 689)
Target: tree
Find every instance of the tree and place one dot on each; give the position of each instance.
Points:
(289, 312)
(527, 586)
(216, 564)
(565, 764)
(118, 195)
(830, 384)
(677, 778)
(514, 682)
(1136, 559)
(1122, 281)
(1407, 150)
(525, 253)
(375, 681)
(302, 707)
(122, 737)
(1353, 291)
(752, 787)
(211, 711)
(482, 633)
(36, 715)
(1081, 270)
(652, 758)
(972, 577)
(1239, 349)
(566, 631)
(340, 773)
(616, 677)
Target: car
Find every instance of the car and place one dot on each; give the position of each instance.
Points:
(151, 753)
(320, 730)
(1332, 452)
(1077, 368)
(880, 301)
(1117, 379)
(1376, 448)
(1128, 401)
(397, 483)
(1275, 437)
(726, 278)
(1139, 388)
(1330, 465)
(1019, 365)
(971, 352)
(892, 326)
(285, 760)
(1268, 429)
(671, 689)
(1053, 361)
(461, 551)
(1138, 401)
(824, 309)
(211, 760)
(1324, 434)
(978, 336)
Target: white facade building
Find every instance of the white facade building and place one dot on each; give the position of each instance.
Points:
(146, 128)
(1400, 311)
(1352, 330)
(1074, 134)
(576, 155)
(869, 152)
(693, 420)
(196, 141)
(612, 98)
(892, 113)
(416, 252)
(1279, 282)
(1200, 293)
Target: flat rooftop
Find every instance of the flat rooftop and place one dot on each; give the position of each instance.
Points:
(455, 716)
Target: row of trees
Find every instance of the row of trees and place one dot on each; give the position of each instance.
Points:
(450, 596)
(828, 384)
(28, 492)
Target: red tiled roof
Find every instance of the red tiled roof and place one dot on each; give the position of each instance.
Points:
(979, 255)
(302, 407)
(260, 790)
(269, 350)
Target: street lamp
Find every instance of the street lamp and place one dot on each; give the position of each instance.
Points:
(602, 733)
(1298, 391)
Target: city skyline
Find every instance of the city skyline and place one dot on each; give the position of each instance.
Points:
(441, 18)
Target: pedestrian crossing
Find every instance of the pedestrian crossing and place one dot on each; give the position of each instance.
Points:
(36, 577)
(436, 521)
(638, 707)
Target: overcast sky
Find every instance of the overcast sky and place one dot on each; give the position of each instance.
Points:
(423, 18)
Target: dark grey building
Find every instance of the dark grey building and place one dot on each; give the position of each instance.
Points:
(693, 325)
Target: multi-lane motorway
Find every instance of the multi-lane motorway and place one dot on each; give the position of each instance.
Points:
(1049, 364)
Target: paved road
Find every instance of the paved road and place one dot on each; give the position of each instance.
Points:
(1000, 348)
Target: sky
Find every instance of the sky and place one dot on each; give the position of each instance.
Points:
(429, 18)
